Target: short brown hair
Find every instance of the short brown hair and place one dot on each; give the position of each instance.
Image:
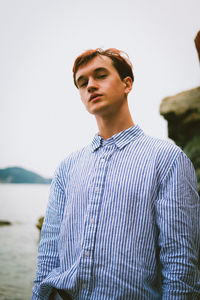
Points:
(120, 60)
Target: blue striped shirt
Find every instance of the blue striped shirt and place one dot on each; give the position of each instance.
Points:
(122, 222)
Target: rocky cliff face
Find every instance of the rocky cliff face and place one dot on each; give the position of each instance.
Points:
(182, 112)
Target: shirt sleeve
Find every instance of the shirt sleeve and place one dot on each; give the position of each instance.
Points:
(178, 220)
(48, 258)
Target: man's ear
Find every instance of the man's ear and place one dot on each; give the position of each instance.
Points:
(128, 82)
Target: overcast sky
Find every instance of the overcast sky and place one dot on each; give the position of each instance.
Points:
(42, 119)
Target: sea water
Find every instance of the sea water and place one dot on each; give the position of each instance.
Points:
(22, 205)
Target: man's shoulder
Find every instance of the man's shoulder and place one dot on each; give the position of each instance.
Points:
(159, 146)
(164, 154)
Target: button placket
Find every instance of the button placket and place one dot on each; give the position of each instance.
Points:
(91, 221)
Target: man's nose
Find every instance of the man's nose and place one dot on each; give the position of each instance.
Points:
(92, 85)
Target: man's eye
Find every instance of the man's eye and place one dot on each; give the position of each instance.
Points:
(101, 76)
(82, 84)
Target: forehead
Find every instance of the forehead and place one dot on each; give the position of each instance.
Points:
(95, 63)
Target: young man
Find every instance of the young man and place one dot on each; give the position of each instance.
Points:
(123, 217)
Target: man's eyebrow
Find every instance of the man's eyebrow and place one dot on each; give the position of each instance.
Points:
(100, 69)
(95, 71)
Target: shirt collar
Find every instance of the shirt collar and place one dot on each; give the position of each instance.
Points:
(120, 139)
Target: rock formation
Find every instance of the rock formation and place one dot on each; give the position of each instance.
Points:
(182, 112)
(5, 223)
(197, 43)
(40, 223)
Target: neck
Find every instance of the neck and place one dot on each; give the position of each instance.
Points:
(113, 123)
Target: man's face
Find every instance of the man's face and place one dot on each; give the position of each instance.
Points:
(101, 89)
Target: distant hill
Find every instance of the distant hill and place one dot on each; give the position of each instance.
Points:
(20, 175)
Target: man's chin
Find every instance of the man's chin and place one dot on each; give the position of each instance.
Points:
(98, 110)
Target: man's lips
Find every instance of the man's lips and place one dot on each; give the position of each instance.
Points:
(94, 97)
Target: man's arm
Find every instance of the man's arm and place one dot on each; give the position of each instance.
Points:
(178, 219)
(48, 258)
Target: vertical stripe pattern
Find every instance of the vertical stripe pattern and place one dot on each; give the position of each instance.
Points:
(122, 222)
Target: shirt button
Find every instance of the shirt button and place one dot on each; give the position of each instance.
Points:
(103, 160)
(87, 253)
(96, 189)
(91, 221)
(84, 286)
